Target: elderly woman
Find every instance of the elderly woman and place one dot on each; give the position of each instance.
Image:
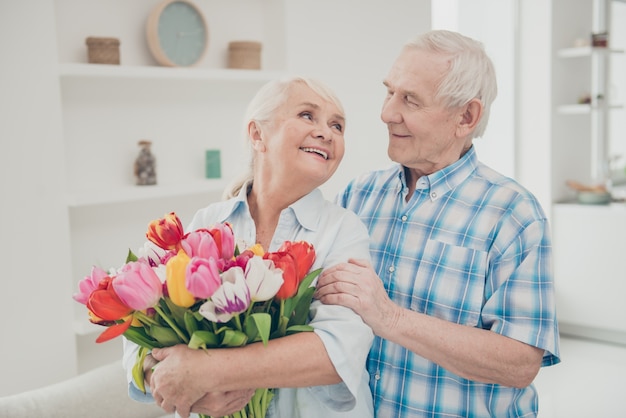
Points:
(295, 128)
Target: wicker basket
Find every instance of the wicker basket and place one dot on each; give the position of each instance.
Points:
(244, 55)
(103, 50)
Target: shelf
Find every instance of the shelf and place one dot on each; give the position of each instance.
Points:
(580, 109)
(79, 70)
(586, 51)
(575, 206)
(133, 193)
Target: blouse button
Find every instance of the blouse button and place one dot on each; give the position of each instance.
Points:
(392, 269)
(433, 195)
(404, 218)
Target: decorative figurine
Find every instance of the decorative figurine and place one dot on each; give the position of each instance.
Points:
(145, 171)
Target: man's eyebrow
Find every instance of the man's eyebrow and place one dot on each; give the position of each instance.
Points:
(404, 92)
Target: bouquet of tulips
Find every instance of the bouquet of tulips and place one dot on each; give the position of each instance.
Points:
(199, 289)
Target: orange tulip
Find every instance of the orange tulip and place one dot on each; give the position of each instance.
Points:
(304, 255)
(166, 232)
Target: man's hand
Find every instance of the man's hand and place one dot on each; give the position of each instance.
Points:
(355, 285)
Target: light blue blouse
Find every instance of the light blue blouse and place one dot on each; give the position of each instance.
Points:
(337, 235)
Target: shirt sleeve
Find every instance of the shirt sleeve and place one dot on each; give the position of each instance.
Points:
(128, 361)
(521, 300)
(345, 336)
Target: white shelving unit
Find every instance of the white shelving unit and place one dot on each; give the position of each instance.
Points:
(107, 109)
(587, 238)
(104, 110)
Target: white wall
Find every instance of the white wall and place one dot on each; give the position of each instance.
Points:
(351, 44)
(498, 34)
(35, 299)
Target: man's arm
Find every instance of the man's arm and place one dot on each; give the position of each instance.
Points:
(472, 353)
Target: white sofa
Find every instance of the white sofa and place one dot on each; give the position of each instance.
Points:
(99, 393)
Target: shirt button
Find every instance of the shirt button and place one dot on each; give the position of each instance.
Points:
(433, 195)
(392, 269)
(404, 218)
(377, 376)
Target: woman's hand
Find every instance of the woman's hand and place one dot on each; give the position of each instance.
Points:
(177, 382)
(219, 404)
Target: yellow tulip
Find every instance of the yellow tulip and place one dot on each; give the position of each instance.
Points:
(257, 249)
(175, 279)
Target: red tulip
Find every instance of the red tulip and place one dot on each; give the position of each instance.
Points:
(166, 232)
(303, 254)
(285, 262)
(113, 331)
(105, 304)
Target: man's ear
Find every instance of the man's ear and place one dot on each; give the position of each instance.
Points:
(472, 112)
(254, 134)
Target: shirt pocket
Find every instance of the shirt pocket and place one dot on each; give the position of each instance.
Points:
(450, 283)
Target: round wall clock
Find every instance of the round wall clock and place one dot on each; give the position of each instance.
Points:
(177, 33)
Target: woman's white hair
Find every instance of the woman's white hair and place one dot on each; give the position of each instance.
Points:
(262, 108)
(470, 75)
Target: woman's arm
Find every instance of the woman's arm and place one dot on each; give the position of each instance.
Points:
(183, 375)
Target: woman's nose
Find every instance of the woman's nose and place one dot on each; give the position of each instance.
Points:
(323, 132)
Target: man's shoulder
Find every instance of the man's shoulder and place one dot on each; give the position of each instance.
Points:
(375, 177)
(516, 193)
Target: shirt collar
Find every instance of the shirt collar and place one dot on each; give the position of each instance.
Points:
(441, 182)
(307, 209)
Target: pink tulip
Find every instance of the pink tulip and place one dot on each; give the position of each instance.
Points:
(200, 243)
(138, 285)
(89, 284)
(225, 240)
(202, 277)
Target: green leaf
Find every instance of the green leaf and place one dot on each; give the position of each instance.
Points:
(304, 291)
(299, 328)
(137, 371)
(203, 339)
(191, 325)
(177, 313)
(164, 335)
(139, 336)
(281, 329)
(258, 327)
(233, 338)
(300, 312)
(131, 256)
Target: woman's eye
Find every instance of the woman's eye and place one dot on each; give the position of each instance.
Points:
(306, 115)
(338, 126)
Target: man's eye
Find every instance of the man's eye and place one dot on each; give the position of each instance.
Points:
(410, 101)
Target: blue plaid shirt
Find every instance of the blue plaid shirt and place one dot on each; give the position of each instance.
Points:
(471, 247)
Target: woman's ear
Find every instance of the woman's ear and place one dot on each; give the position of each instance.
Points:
(254, 134)
(472, 112)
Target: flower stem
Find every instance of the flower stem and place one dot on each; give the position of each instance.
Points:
(144, 318)
(172, 324)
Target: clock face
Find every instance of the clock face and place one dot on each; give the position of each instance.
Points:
(182, 34)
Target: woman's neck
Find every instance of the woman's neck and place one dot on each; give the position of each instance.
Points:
(265, 208)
